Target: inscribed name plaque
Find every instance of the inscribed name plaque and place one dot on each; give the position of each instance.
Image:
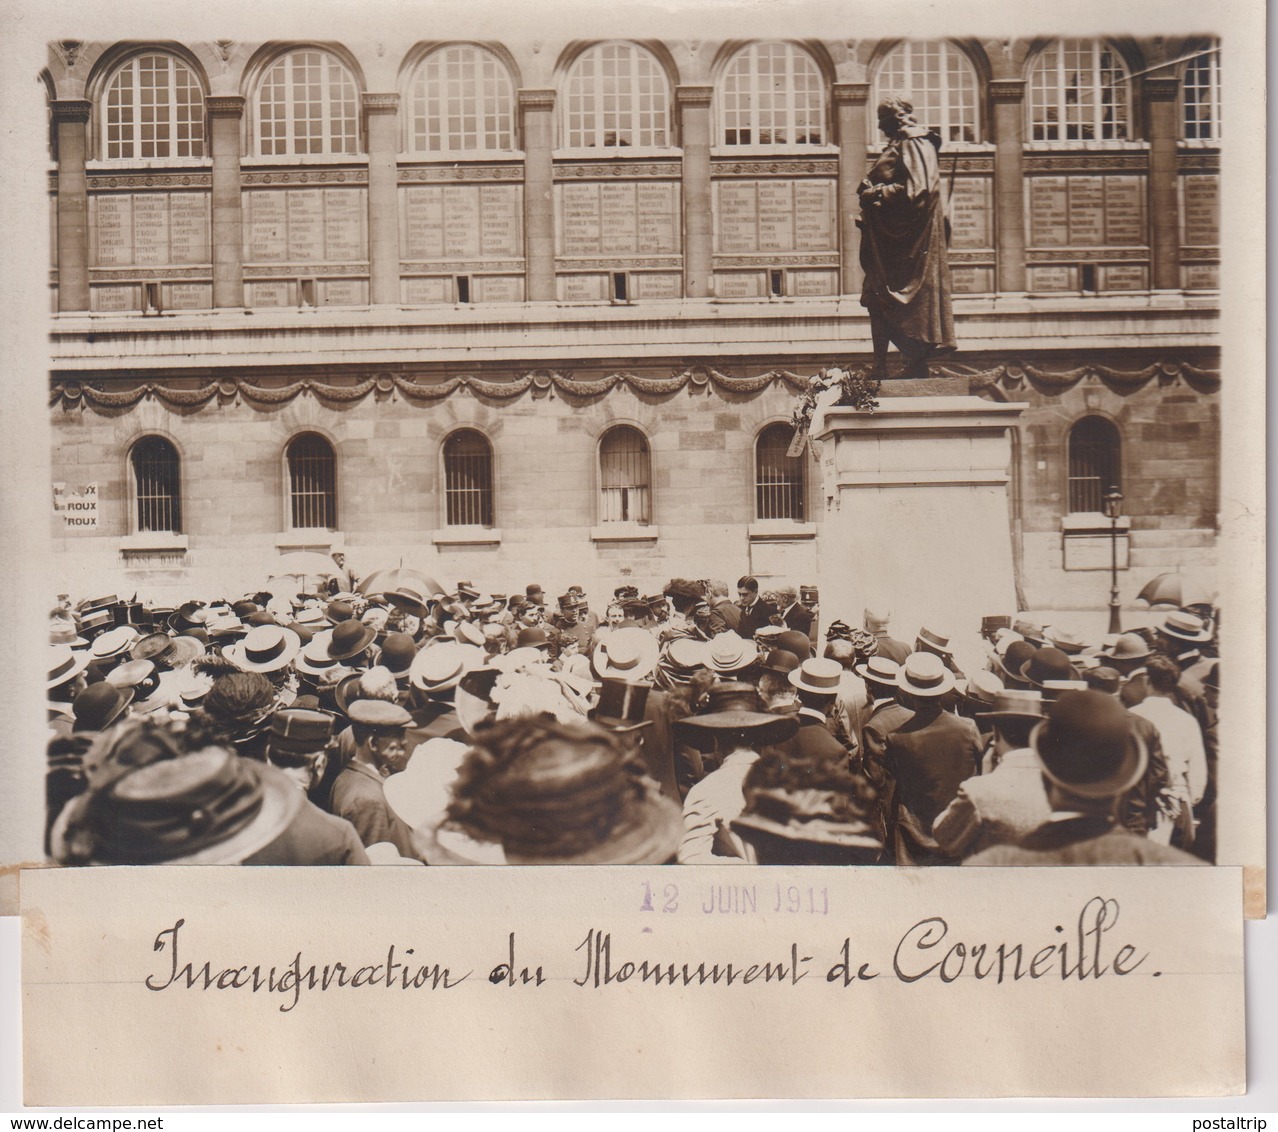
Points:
(617, 218)
(189, 227)
(971, 212)
(1086, 212)
(1125, 211)
(1124, 277)
(498, 288)
(1200, 276)
(438, 222)
(150, 229)
(305, 218)
(276, 294)
(582, 288)
(116, 298)
(188, 296)
(1047, 212)
(1059, 278)
(265, 226)
(773, 216)
(1200, 210)
(345, 226)
(739, 284)
(422, 292)
(657, 285)
(111, 221)
(461, 221)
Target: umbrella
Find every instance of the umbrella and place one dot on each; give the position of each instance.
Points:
(385, 581)
(1176, 591)
(305, 566)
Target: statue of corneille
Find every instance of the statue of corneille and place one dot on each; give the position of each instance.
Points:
(904, 243)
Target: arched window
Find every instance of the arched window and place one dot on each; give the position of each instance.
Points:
(1200, 95)
(1095, 462)
(154, 108)
(778, 476)
(157, 485)
(307, 102)
(312, 482)
(772, 94)
(940, 81)
(617, 95)
(625, 476)
(461, 99)
(1078, 92)
(468, 479)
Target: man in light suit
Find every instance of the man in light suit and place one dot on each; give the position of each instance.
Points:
(1090, 756)
(1006, 804)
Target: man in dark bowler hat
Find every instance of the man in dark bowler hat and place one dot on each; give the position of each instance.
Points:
(1090, 757)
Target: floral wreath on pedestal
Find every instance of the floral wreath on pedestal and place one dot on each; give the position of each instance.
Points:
(856, 389)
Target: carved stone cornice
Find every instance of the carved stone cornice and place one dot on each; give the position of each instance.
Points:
(602, 172)
(70, 110)
(541, 99)
(1006, 90)
(224, 105)
(694, 97)
(380, 103)
(1161, 90)
(851, 94)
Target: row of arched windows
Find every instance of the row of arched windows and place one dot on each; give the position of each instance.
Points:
(1094, 452)
(461, 98)
(624, 485)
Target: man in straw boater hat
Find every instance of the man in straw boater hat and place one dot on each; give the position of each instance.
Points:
(807, 812)
(739, 731)
(64, 682)
(1090, 757)
(1008, 801)
(927, 758)
(434, 676)
(379, 729)
(554, 793)
(816, 683)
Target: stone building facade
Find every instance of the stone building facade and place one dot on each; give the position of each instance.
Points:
(540, 312)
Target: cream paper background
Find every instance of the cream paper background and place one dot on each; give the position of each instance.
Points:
(1174, 1026)
(31, 582)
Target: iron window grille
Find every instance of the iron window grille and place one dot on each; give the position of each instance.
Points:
(1095, 451)
(468, 480)
(625, 474)
(157, 485)
(312, 473)
(779, 488)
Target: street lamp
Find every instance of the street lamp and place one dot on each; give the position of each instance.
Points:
(1112, 504)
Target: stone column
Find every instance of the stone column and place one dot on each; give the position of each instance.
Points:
(225, 113)
(70, 118)
(1164, 213)
(383, 204)
(916, 511)
(1007, 102)
(537, 111)
(850, 122)
(698, 211)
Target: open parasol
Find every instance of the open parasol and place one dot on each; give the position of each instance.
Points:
(1176, 591)
(389, 580)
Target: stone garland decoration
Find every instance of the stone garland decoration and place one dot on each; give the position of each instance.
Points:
(71, 392)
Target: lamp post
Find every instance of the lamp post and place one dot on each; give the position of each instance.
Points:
(1112, 502)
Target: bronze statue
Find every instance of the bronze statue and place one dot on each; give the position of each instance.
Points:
(904, 243)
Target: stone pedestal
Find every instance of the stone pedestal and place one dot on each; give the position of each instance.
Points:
(915, 517)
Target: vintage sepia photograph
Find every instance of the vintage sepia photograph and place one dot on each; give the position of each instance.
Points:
(700, 436)
(634, 451)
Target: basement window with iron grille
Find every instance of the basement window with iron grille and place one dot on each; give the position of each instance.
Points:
(625, 477)
(157, 486)
(468, 480)
(312, 475)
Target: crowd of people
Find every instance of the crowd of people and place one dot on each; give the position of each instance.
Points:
(413, 726)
